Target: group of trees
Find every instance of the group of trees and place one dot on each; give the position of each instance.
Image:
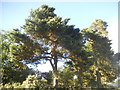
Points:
(47, 37)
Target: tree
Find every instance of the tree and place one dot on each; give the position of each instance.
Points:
(46, 37)
(11, 71)
(99, 44)
(116, 62)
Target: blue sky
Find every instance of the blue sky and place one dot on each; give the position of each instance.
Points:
(82, 14)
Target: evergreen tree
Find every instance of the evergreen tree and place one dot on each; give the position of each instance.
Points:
(47, 37)
(99, 44)
(11, 71)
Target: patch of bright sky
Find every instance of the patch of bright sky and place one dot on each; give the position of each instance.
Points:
(45, 67)
(82, 14)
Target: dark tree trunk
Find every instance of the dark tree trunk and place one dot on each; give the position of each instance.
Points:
(98, 76)
(55, 82)
(54, 65)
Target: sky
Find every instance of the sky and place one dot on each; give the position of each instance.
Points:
(82, 14)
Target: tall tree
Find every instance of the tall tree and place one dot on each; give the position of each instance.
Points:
(47, 37)
(99, 44)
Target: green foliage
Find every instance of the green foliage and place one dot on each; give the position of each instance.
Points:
(12, 71)
(116, 63)
(31, 82)
(47, 37)
(50, 32)
(44, 23)
(22, 47)
(66, 78)
(98, 43)
(99, 26)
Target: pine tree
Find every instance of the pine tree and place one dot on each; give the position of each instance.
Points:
(11, 71)
(99, 44)
(47, 37)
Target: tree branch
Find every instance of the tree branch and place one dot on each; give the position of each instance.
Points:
(51, 64)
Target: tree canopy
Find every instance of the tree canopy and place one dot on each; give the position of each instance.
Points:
(48, 37)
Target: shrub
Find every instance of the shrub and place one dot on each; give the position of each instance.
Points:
(31, 82)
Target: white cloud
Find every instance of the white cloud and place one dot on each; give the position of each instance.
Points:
(113, 35)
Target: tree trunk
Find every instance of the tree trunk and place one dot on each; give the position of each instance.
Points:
(54, 66)
(55, 81)
(99, 84)
(98, 75)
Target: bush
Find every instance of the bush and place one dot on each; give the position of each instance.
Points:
(31, 82)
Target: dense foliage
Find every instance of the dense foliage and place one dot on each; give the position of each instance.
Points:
(87, 55)
(12, 71)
